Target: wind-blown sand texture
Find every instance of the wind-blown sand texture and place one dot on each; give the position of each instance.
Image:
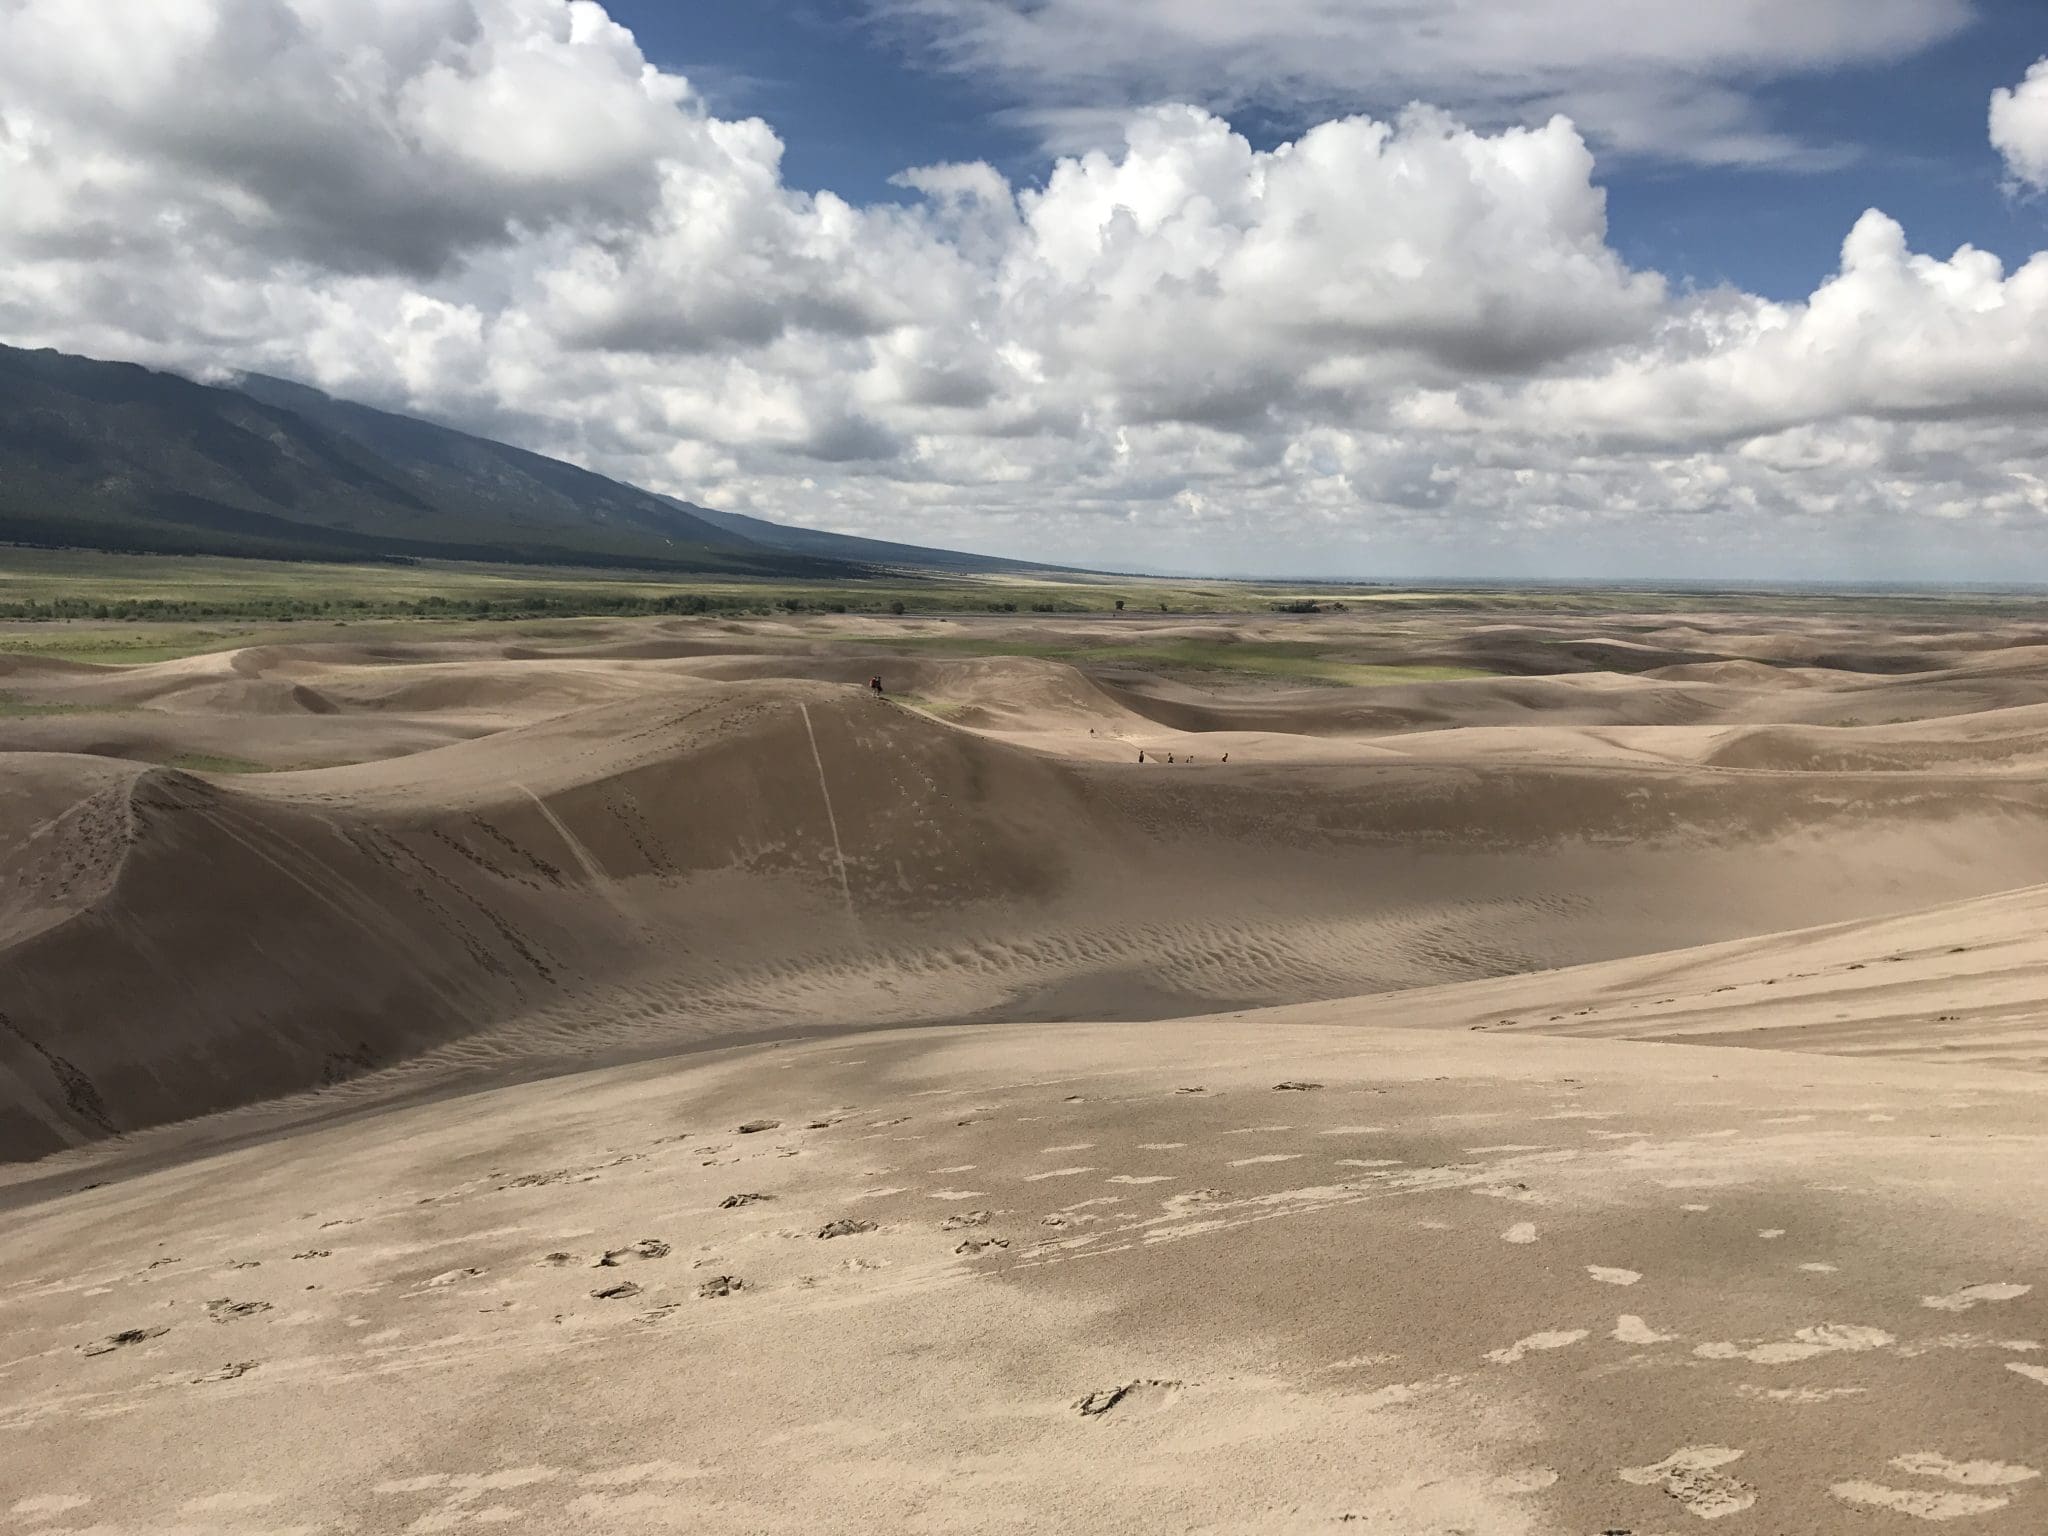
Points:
(644, 1083)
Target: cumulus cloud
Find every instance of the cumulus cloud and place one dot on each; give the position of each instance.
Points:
(366, 133)
(1390, 344)
(1892, 335)
(1671, 78)
(2019, 127)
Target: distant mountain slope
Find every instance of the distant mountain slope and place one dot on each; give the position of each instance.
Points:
(842, 546)
(113, 456)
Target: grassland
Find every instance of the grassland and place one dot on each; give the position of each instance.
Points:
(111, 608)
(1306, 661)
(20, 709)
(208, 762)
(37, 584)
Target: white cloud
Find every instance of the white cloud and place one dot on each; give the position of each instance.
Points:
(1892, 335)
(370, 133)
(1387, 345)
(2019, 127)
(1663, 77)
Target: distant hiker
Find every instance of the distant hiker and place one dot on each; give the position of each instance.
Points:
(875, 685)
(1141, 754)
(1169, 757)
(1226, 757)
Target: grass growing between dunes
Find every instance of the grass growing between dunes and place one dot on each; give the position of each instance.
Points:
(1307, 661)
(25, 709)
(122, 646)
(939, 709)
(44, 584)
(207, 762)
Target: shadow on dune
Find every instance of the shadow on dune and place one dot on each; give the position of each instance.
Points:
(728, 859)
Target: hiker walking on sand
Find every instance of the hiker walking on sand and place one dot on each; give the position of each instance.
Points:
(875, 686)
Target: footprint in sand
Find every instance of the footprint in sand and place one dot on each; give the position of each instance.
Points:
(1971, 1295)
(234, 1370)
(1920, 1503)
(1399, 1394)
(616, 1292)
(1630, 1329)
(845, 1226)
(1688, 1474)
(1798, 1394)
(1520, 1232)
(1607, 1276)
(1555, 1338)
(964, 1219)
(1805, 1344)
(122, 1340)
(225, 1311)
(734, 1202)
(646, 1248)
(720, 1285)
(1131, 1395)
(1296, 1087)
(981, 1244)
(1969, 1474)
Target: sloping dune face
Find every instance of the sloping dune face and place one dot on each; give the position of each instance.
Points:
(528, 857)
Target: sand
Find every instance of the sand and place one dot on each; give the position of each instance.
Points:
(643, 1083)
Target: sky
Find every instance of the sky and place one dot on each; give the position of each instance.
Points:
(1343, 288)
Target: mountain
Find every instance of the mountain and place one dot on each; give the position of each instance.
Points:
(843, 546)
(113, 456)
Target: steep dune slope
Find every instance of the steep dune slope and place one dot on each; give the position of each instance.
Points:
(709, 859)
(255, 941)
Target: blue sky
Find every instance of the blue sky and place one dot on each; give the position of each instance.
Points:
(857, 99)
(1665, 337)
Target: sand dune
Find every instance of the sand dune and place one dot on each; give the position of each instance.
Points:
(702, 858)
(1114, 1278)
(507, 1115)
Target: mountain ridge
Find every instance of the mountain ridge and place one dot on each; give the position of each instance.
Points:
(119, 457)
